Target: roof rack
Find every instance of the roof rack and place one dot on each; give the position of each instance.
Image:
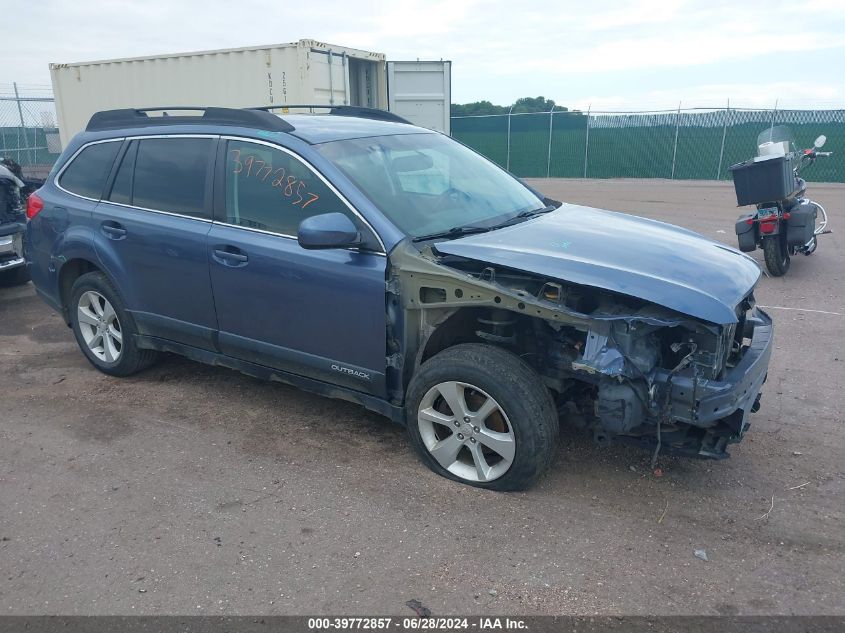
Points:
(341, 110)
(259, 117)
(138, 117)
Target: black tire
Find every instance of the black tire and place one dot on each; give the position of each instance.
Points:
(776, 255)
(15, 277)
(131, 359)
(518, 390)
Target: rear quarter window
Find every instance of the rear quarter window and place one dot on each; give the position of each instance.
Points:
(86, 174)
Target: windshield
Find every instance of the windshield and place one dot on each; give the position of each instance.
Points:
(776, 134)
(429, 184)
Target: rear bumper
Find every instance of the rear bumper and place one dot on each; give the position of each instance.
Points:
(721, 408)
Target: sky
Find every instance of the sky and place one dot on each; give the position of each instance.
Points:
(607, 56)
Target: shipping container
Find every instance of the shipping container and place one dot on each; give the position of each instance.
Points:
(306, 71)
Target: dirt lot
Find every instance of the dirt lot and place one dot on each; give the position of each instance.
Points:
(196, 490)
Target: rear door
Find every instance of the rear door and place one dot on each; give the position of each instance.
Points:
(421, 92)
(315, 313)
(150, 234)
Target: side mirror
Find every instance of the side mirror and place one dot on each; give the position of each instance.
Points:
(820, 141)
(328, 230)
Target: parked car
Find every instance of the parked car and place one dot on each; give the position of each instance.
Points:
(12, 193)
(360, 257)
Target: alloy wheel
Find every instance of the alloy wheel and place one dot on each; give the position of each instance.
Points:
(466, 431)
(99, 326)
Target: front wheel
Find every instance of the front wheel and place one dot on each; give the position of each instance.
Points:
(776, 254)
(480, 415)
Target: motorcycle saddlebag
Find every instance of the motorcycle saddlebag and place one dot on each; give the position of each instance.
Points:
(801, 223)
(746, 233)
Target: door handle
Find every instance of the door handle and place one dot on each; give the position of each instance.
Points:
(230, 256)
(113, 230)
(236, 257)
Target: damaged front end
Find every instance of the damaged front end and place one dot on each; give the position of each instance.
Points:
(622, 368)
(684, 389)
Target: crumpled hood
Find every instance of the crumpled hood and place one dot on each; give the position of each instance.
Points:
(651, 260)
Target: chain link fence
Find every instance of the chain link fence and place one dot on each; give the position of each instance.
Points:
(678, 144)
(695, 144)
(28, 131)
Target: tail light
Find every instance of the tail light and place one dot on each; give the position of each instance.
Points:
(34, 204)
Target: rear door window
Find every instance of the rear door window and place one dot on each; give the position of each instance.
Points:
(86, 175)
(170, 175)
(121, 190)
(271, 190)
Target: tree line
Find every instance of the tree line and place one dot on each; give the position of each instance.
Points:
(522, 105)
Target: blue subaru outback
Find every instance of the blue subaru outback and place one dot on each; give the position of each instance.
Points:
(361, 257)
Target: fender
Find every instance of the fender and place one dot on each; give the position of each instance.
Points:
(114, 268)
(72, 244)
(770, 226)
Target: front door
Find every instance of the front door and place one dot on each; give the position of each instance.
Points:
(315, 313)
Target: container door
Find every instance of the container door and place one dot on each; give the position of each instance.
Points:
(421, 92)
(330, 77)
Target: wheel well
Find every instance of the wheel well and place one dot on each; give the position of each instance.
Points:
(69, 273)
(458, 328)
(493, 326)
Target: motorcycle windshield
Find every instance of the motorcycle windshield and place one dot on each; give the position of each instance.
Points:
(776, 134)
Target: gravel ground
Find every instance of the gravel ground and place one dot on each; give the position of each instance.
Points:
(191, 489)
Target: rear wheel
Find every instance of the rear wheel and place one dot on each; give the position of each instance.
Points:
(776, 254)
(482, 416)
(104, 329)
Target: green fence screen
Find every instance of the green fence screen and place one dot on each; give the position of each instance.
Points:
(691, 144)
(30, 146)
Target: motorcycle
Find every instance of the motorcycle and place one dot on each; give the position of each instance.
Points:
(785, 222)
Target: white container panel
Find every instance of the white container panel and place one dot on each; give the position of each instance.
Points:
(236, 78)
(421, 92)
